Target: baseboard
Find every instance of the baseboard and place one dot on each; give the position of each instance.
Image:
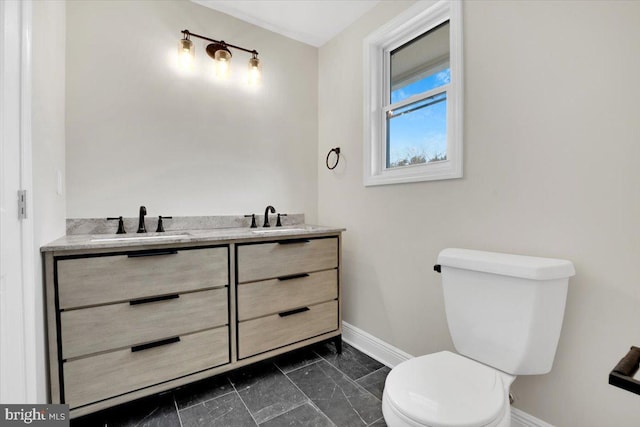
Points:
(391, 356)
(522, 419)
(368, 344)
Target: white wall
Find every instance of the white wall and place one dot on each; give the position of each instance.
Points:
(48, 148)
(552, 136)
(141, 132)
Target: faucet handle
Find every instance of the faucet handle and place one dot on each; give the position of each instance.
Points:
(121, 229)
(253, 220)
(278, 223)
(160, 228)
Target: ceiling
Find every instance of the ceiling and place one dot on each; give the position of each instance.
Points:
(313, 22)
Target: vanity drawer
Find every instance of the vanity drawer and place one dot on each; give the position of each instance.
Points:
(115, 278)
(266, 333)
(257, 299)
(95, 329)
(110, 374)
(269, 260)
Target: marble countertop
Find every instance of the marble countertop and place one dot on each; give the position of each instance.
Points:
(105, 241)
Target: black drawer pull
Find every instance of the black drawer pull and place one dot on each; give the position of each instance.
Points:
(296, 311)
(293, 241)
(293, 276)
(153, 299)
(154, 344)
(152, 253)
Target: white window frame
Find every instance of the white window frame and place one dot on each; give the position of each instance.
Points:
(415, 21)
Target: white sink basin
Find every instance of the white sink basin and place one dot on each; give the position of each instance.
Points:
(158, 236)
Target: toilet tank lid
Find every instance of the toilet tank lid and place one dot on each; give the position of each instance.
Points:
(526, 267)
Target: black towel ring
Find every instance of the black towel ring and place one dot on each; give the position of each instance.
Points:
(333, 150)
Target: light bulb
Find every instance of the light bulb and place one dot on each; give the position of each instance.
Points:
(223, 63)
(186, 53)
(255, 73)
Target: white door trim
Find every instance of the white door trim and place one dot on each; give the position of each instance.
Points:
(28, 248)
(18, 382)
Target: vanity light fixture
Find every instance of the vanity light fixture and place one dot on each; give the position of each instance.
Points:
(219, 51)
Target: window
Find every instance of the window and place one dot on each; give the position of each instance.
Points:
(413, 96)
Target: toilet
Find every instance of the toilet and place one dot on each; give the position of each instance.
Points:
(504, 314)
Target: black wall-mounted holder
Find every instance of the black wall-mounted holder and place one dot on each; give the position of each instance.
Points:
(622, 374)
(333, 150)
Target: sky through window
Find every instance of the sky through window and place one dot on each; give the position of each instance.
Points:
(418, 132)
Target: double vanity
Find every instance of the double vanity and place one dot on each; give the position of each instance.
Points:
(130, 316)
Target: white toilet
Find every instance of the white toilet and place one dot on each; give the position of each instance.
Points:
(504, 314)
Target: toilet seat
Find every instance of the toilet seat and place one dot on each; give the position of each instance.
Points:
(446, 390)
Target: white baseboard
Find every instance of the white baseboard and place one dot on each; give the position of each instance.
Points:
(391, 356)
(522, 419)
(368, 344)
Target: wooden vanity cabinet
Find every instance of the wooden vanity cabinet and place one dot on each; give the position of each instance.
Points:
(123, 324)
(287, 291)
(123, 321)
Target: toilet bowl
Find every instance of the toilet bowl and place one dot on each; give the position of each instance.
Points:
(445, 389)
(504, 314)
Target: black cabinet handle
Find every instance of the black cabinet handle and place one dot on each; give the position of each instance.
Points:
(293, 276)
(153, 299)
(293, 241)
(154, 344)
(152, 253)
(296, 311)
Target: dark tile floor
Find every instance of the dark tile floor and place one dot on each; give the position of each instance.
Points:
(313, 386)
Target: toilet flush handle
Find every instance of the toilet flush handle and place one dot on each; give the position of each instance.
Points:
(437, 268)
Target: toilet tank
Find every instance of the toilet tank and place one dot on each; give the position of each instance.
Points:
(505, 310)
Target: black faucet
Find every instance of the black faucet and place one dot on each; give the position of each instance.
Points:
(141, 226)
(266, 215)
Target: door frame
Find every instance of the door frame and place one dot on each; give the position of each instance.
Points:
(18, 349)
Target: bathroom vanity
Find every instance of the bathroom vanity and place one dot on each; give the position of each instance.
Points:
(129, 317)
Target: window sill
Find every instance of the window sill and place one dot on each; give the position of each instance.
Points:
(436, 171)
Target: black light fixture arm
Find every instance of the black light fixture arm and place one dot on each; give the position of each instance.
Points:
(188, 33)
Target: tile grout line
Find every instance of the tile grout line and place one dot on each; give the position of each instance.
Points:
(309, 400)
(337, 368)
(146, 416)
(299, 367)
(175, 403)
(379, 419)
(370, 373)
(359, 364)
(243, 403)
(204, 401)
(357, 386)
(365, 390)
(349, 378)
(355, 382)
(354, 409)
